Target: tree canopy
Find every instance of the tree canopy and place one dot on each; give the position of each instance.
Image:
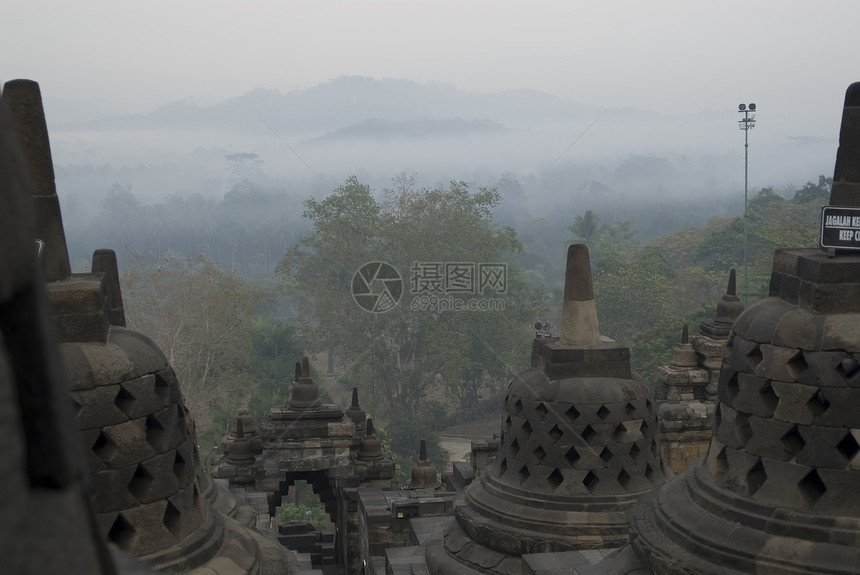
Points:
(439, 241)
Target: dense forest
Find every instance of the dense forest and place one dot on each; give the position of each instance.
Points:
(236, 289)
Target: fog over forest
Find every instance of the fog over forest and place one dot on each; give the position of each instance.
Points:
(550, 157)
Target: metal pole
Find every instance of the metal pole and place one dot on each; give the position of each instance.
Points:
(746, 195)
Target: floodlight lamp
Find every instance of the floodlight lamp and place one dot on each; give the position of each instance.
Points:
(752, 107)
(742, 107)
(538, 325)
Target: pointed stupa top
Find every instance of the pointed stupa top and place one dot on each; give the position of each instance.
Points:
(104, 261)
(304, 394)
(370, 448)
(25, 102)
(356, 414)
(247, 421)
(730, 306)
(579, 314)
(684, 354)
(240, 448)
(424, 473)
(846, 174)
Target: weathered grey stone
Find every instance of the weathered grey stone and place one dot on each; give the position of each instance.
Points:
(24, 101)
(104, 261)
(796, 402)
(98, 407)
(821, 447)
(755, 395)
(768, 439)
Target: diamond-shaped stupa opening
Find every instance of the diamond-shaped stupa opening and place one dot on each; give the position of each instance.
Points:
(732, 387)
(624, 479)
(539, 454)
(140, 483)
(518, 406)
(590, 480)
(603, 412)
(162, 388)
(172, 519)
(572, 455)
(848, 367)
(104, 447)
(524, 473)
(812, 487)
(515, 447)
(572, 414)
(848, 447)
(792, 441)
(124, 400)
(797, 364)
(588, 433)
(503, 466)
(818, 404)
(754, 357)
(527, 429)
(717, 464)
(606, 455)
(743, 430)
(122, 533)
(635, 452)
(756, 477)
(555, 433)
(179, 467)
(154, 432)
(768, 396)
(555, 479)
(541, 410)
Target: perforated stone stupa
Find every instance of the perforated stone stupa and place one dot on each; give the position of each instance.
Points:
(578, 447)
(779, 491)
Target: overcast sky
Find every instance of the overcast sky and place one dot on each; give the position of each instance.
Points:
(794, 58)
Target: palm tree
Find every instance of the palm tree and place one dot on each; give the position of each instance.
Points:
(586, 227)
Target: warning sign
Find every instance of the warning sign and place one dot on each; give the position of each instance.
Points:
(840, 228)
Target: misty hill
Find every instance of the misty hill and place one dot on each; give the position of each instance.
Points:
(379, 129)
(349, 100)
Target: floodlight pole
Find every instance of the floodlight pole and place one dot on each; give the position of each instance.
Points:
(746, 125)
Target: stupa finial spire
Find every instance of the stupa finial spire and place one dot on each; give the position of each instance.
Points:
(579, 313)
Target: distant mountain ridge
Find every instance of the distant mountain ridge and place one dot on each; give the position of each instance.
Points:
(351, 105)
